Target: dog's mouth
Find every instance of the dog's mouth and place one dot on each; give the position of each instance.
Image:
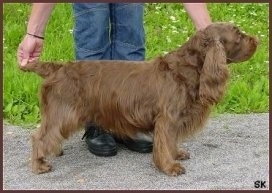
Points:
(243, 57)
(229, 60)
(238, 60)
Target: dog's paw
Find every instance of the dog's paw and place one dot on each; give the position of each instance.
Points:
(59, 153)
(175, 170)
(40, 167)
(183, 155)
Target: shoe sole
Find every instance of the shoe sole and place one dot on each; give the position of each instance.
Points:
(103, 152)
(142, 149)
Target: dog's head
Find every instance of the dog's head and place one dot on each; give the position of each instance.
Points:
(237, 45)
(221, 43)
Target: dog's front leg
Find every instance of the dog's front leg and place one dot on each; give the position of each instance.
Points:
(165, 147)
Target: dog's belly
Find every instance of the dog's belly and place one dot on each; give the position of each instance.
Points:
(123, 104)
(121, 118)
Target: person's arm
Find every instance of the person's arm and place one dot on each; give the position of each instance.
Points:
(39, 17)
(199, 14)
(31, 46)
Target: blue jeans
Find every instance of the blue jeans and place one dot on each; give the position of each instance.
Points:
(109, 31)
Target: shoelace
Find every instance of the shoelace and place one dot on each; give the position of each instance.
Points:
(92, 130)
(87, 133)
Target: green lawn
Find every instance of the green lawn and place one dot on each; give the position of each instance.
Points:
(167, 26)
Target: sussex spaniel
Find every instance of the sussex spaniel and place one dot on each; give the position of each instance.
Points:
(170, 95)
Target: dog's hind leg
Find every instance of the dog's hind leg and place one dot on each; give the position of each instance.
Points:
(55, 127)
(165, 147)
(40, 151)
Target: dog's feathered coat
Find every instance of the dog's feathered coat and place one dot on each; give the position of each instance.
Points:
(170, 95)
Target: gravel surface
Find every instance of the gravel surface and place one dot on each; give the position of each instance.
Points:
(230, 153)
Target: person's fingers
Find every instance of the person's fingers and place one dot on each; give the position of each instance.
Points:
(25, 58)
(36, 54)
(35, 59)
(24, 62)
(29, 50)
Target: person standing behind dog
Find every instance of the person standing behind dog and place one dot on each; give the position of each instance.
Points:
(103, 31)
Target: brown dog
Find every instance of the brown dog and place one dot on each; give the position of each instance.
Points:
(170, 95)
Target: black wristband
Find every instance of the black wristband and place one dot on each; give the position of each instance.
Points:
(40, 37)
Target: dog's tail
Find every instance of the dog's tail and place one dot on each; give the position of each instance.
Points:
(43, 69)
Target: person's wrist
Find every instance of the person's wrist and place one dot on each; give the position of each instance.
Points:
(35, 36)
(35, 30)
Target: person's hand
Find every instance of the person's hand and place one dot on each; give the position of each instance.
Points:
(29, 50)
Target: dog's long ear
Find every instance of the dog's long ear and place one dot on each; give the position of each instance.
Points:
(214, 74)
(192, 53)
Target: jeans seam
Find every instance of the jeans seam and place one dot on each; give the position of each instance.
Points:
(93, 51)
(113, 28)
(127, 44)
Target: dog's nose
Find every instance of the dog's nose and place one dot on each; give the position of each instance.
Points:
(256, 40)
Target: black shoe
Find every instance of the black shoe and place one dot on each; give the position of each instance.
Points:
(138, 145)
(99, 142)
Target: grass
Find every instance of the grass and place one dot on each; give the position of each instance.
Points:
(167, 26)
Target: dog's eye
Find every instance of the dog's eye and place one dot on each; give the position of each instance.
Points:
(223, 41)
(237, 41)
